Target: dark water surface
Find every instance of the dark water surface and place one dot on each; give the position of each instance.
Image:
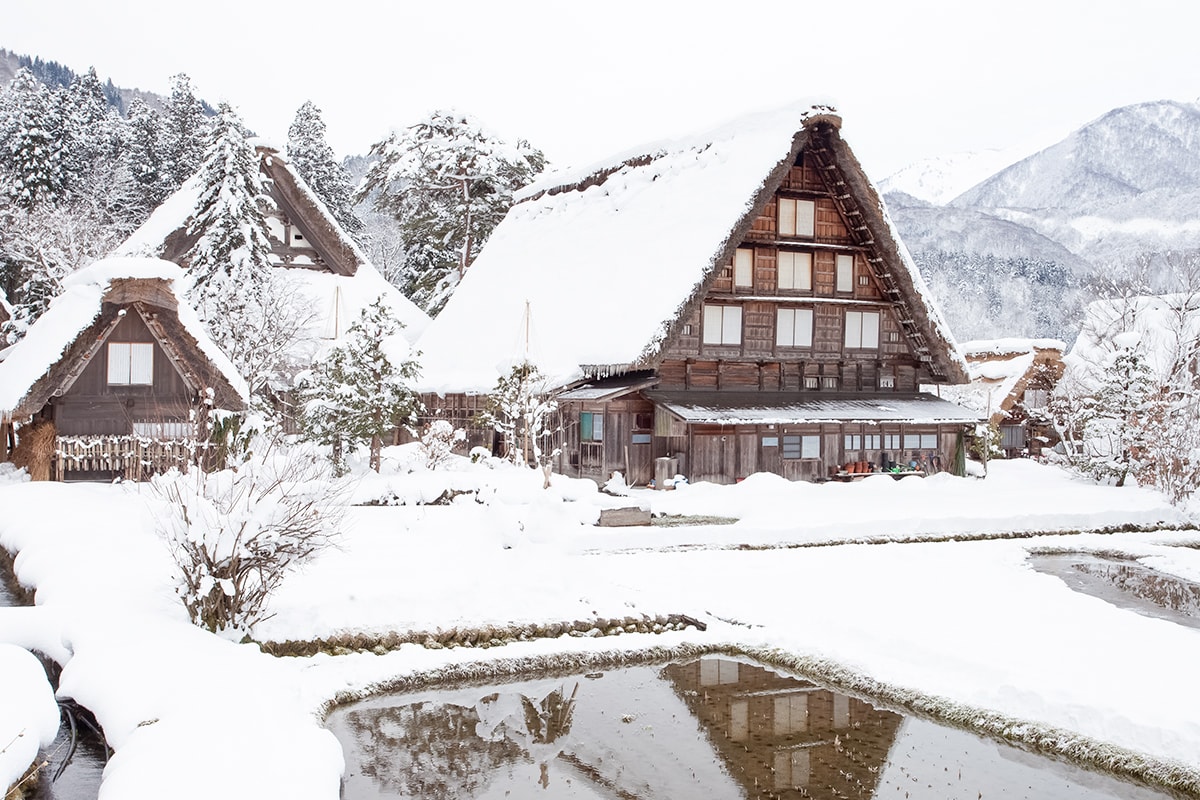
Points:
(1126, 584)
(81, 770)
(715, 727)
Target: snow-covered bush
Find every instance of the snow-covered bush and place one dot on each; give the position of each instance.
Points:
(235, 534)
(439, 440)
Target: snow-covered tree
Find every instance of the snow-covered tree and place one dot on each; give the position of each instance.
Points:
(362, 391)
(32, 144)
(314, 160)
(143, 154)
(448, 182)
(233, 286)
(184, 132)
(522, 409)
(92, 129)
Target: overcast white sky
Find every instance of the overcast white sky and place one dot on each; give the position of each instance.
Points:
(583, 80)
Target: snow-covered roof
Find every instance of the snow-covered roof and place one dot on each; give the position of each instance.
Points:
(999, 370)
(764, 408)
(1158, 326)
(24, 371)
(604, 259)
(336, 295)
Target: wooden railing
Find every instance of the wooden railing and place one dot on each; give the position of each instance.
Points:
(129, 457)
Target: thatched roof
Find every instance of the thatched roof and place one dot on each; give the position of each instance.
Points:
(609, 259)
(337, 288)
(61, 343)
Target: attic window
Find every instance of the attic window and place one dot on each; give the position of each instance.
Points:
(299, 237)
(845, 273)
(743, 267)
(795, 271)
(130, 364)
(797, 217)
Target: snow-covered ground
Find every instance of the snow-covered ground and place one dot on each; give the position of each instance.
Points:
(888, 598)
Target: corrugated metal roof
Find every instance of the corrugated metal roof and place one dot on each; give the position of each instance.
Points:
(727, 408)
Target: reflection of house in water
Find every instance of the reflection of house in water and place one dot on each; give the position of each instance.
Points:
(782, 737)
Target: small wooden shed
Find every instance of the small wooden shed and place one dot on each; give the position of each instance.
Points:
(116, 379)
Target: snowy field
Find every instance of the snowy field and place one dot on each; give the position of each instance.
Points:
(874, 590)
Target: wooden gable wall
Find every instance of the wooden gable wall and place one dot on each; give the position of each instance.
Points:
(92, 406)
(758, 361)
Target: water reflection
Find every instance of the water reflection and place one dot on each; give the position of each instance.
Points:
(715, 727)
(1126, 584)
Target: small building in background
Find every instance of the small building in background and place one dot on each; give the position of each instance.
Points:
(1012, 380)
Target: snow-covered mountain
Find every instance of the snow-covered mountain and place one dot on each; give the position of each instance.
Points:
(940, 179)
(1122, 185)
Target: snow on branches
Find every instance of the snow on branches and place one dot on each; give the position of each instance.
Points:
(362, 391)
(448, 183)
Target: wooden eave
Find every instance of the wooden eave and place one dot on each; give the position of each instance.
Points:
(297, 205)
(862, 209)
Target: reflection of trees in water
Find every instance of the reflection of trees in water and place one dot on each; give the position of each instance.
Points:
(427, 750)
(436, 750)
(1165, 590)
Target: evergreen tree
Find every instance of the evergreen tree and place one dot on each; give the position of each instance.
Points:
(230, 263)
(361, 392)
(92, 129)
(32, 169)
(143, 154)
(184, 132)
(448, 183)
(314, 161)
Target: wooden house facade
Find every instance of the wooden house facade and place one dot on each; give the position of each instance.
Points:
(117, 377)
(798, 347)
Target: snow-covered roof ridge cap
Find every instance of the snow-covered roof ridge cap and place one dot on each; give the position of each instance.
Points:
(794, 116)
(103, 272)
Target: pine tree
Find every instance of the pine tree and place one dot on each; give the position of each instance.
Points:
(184, 131)
(314, 161)
(361, 392)
(92, 129)
(230, 263)
(32, 169)
(143, 154)
(448, 183)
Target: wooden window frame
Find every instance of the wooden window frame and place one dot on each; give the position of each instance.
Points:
(786, 271)
(743, 268)
(727, 321)
(796, 217)
(800, 446)
(845, 273)
(786, 330)
(130, 364)
(589, 431)
(857, 330)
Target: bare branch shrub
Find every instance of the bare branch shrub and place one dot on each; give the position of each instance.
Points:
(236, 534)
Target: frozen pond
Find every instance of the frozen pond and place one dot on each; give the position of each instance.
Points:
(715, 727)
(1126, 584)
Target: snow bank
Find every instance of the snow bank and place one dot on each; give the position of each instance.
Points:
(30, 718)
